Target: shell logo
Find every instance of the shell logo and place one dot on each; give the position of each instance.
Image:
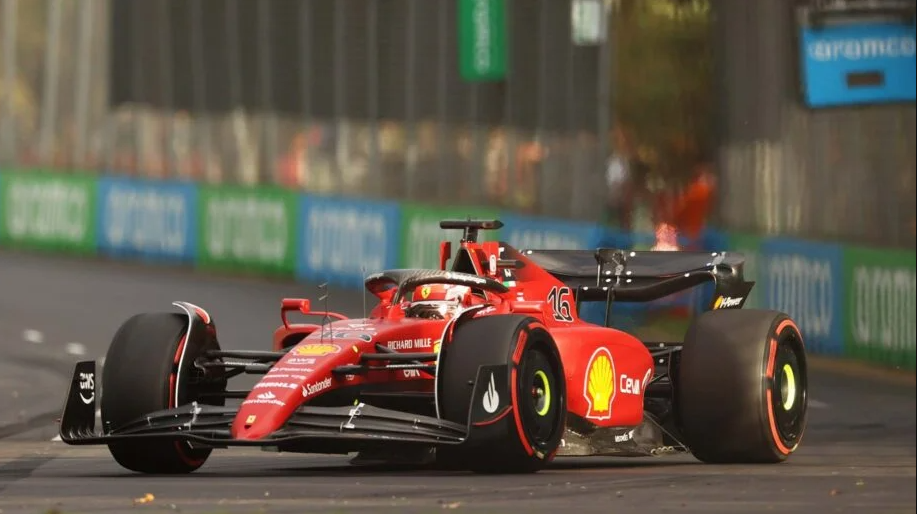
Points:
(599, 384)
(317, 350)
(437, 345)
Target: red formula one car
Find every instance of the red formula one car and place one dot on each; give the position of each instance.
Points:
(483, 364)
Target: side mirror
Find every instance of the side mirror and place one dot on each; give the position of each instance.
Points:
(445, 251)
(293, 304)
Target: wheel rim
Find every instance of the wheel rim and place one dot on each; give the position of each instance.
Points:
(789, 390)
(788, 387)
(539, 392)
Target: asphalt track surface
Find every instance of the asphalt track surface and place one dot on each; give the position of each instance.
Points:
(858, 454)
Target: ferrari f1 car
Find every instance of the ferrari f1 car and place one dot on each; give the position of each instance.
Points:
(483, 364)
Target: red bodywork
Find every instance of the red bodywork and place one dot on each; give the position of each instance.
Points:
(606, 369)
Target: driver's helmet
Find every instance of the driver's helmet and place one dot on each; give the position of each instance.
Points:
(438, 301)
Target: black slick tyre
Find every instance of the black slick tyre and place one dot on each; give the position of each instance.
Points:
(741, 387)
(139, 378)
(526, 437)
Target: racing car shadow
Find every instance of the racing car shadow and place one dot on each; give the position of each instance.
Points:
(563, 463)
(559, 464)
(253, 470)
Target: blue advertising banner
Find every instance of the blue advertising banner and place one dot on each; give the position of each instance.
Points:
(341, 240)
(523, 232)
(715, 241)
(805, 280)
(150, 219)
(858, 63)
(611, 238)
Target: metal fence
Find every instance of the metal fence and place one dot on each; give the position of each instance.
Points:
(846, 173)
(333, 96)
(363, 98)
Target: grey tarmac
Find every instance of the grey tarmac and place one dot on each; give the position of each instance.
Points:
(858, 454)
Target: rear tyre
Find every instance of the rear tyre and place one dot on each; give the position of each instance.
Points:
(139, 378)
(742, 387)
(526, 438)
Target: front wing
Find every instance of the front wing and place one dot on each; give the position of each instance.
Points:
(207, 425)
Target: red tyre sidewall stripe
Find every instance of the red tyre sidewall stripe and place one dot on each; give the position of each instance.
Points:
(180, 447)
(520, 345)
(789, 323)
(526, 445)
(536, 325)
(771, 363)
(771, 357)
(521, 341)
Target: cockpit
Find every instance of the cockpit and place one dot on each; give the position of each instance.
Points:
(440, 301)
(442, 293)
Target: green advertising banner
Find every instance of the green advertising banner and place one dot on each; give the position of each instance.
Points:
(482, 40)
(750, 246)
(879, 324)
(421, 235)
(50, 211)
(247, 228)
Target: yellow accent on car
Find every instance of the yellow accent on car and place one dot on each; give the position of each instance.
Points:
(547, 393)
(790, 399)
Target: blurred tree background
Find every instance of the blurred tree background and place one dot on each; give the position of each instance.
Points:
(29, 32)
(662, 76)
(663, 82)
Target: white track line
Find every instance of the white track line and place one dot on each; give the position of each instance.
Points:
(76, 349)
(32, 336)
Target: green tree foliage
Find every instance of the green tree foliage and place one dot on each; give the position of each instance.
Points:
(662, 85)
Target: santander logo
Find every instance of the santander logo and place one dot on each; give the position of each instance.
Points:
(321, 385)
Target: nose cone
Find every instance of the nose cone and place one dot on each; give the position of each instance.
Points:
(258, 429)
(302, 374)
(265, 410)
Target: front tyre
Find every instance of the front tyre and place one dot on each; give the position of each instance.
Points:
(524, 437)
(139, 377)
(742, 387)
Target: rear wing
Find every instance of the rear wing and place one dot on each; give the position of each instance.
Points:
(631, 276)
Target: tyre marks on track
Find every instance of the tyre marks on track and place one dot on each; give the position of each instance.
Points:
(20, 468)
